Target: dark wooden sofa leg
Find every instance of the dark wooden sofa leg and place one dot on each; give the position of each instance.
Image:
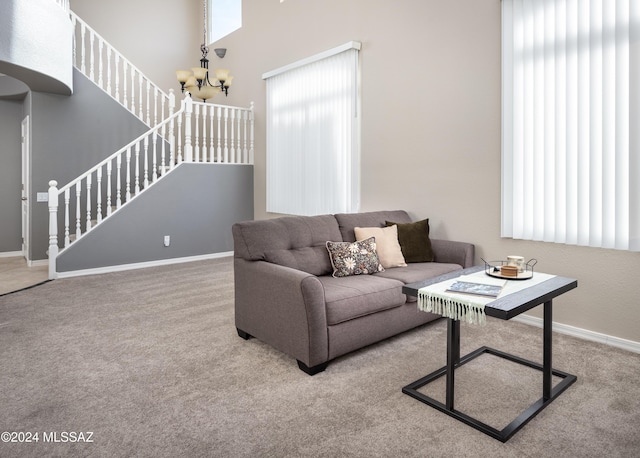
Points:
(314, 369)
(243, 334)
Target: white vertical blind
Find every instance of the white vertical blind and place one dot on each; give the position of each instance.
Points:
(313, 136)
(571, 122)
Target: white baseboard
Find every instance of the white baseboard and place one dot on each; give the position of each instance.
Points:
(11, 254)
(143, 265)
(617, 342)
(38, 263)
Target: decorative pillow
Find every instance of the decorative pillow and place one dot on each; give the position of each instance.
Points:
(414, 241)
(354, 258)
(387, 245)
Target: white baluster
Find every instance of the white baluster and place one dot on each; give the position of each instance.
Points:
(117, 74)
(78, 210)
(234, 151)
(204, 133)
(140, 114)
(162, 150)
(245, 151)
(148, 107)
(219, 151)
(159, 101)
(132, 101)
(178, 141)
(92, 53)
(118, 181)
(196, 143)
(226, 135)
(188, 147)
(99, 195)
(88, 202)
(109, 70)
(137, 175)
(67, 199)
(125, 73)
(53, 228)
(109, 167)
(100, 64)
(83, 54)
(212, 150)
(128, 177)
(156, 101)
(146, 162)
(74, 27)
(154, 166)
(238, 132)
(251, 122)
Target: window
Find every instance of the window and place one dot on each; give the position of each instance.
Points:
(313, 135)
(225, 16)
(570, 117)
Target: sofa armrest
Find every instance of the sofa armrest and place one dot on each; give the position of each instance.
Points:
(283, 307)
(448, 251)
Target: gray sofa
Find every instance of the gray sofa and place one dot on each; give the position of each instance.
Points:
(286, 296)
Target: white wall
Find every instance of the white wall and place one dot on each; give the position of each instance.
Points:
(157, 36)
(430, 119)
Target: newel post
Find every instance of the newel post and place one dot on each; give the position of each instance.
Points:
(53, 229)
(188, 147)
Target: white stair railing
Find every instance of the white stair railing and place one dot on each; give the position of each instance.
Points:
(112, 72)
(64, 4)
(198, 132)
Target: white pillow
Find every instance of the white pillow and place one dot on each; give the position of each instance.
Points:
(387, 245)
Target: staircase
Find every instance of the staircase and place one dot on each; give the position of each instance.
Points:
(196, 132)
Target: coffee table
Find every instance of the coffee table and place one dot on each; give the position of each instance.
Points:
(503, 308)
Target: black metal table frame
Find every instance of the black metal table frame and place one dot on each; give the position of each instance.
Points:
(549, 392)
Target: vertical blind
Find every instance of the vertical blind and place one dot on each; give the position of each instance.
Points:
(313, 135)
(571, 122)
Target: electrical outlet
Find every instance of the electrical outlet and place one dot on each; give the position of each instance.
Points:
(167, 240)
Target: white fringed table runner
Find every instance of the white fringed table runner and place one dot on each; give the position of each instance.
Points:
(466, 307)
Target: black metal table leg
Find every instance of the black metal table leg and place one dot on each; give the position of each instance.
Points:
(453, 358)
(547, 353)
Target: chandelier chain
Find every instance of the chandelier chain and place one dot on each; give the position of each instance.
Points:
(204, 21)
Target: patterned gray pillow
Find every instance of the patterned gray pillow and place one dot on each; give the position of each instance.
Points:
(354, 258)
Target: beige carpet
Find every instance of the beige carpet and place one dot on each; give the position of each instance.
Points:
(15, 275)
(149, 362)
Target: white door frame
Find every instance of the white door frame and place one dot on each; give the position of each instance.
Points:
(26, 185)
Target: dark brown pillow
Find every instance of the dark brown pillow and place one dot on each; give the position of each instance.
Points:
(414, 241)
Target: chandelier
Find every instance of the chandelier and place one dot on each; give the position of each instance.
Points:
(197, 81)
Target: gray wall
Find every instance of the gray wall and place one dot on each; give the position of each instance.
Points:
(10, 175)
(195, 205)
(69, 135)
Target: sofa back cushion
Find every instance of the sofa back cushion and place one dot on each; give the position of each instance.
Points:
(298, 242)
(348, 221)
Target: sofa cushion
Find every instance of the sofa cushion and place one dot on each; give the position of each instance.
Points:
(414, 240)
(313, 260)
(268, 240)
(417, 272)
(354, 258)
(348, 221)
(387, 245)
(352, 297)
